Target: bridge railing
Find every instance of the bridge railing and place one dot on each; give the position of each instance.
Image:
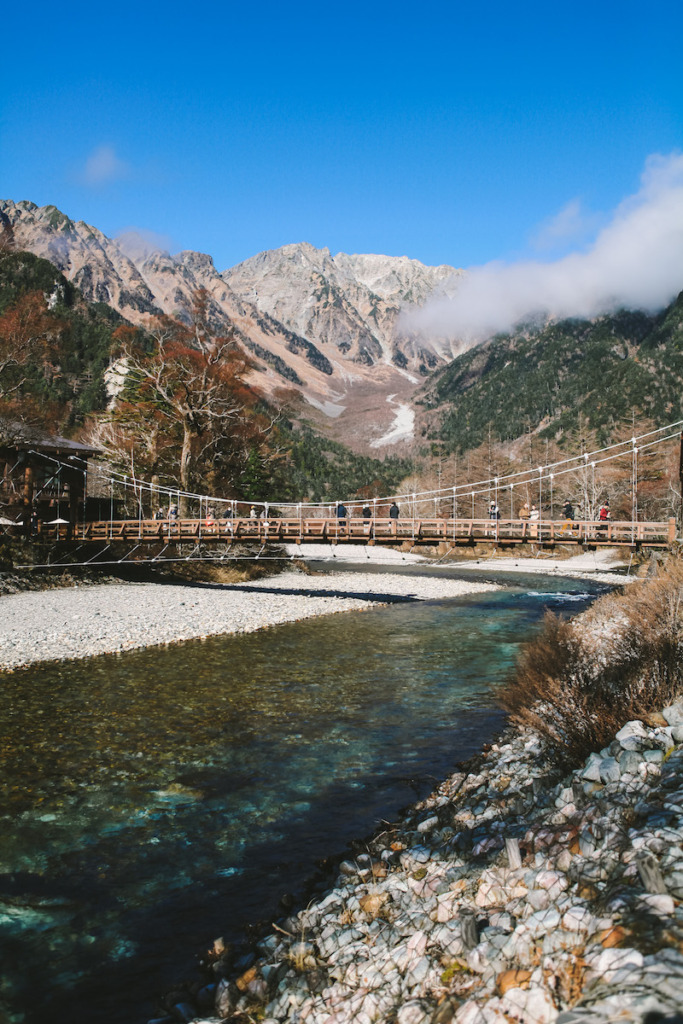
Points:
(388, 531)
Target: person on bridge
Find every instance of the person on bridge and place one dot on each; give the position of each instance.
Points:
(494, 511)
(534, 516)
(173, 512)
(568, 513)
(159, 514)
(393, 510)
(524, 512)
(341, 510)
(367, 519)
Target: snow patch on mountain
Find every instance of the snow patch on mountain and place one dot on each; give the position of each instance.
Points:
(402, 428)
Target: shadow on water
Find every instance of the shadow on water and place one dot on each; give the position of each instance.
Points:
(152, 801)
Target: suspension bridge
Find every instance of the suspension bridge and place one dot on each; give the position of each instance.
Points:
(141, 520)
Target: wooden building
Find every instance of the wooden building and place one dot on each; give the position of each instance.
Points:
(42, 478)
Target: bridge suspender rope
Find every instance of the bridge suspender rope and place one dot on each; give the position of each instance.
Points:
(474, 488)
(421, 530)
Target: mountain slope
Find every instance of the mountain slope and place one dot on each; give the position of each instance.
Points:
(322, 325)
(600, 374)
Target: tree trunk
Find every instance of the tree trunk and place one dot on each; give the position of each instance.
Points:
(185, 467)
(154, 496)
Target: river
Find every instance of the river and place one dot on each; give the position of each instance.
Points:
(152, 801)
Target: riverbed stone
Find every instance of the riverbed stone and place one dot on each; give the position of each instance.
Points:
(412, 1013)
(538, 899)
(532, 1005)
(591, 771)
(608, 962)
(609, 770)
(629, 761)
(674, 713)
(578, 919)
(542, 921)
(634, 736)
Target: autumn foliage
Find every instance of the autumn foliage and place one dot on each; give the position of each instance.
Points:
(29, 343)
(186, 411)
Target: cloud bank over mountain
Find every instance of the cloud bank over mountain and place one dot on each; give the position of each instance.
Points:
(636, 262)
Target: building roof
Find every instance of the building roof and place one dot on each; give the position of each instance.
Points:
(23, 438)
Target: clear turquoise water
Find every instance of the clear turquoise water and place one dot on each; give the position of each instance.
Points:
(152, 801)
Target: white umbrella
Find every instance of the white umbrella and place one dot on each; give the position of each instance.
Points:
(7, 522)
(53, 522)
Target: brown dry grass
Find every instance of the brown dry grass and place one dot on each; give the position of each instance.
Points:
(578, 682)
(235, 572)
(13, 581)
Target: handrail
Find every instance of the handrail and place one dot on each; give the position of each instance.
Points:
(417, 531)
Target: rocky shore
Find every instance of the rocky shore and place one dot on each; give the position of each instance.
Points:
(508, 895)
(83, 621)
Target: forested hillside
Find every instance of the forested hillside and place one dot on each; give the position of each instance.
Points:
(56, 345)
(604, 374)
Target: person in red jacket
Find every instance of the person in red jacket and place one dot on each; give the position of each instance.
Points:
(604, 514)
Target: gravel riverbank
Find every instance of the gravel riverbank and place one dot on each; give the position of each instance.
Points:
(80, 622)
(601, 564)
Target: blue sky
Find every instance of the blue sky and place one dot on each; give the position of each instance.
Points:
(448, 132)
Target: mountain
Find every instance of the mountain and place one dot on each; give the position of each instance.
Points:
(61, 384)
(573, 374)
(324, 326)
(351, 303)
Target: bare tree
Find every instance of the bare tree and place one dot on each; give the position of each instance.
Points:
(189, 385)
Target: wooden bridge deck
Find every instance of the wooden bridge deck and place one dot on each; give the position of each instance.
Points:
(377, 531)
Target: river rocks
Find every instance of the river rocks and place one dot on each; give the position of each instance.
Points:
(633, 736)
(532, 1005)
(428, 825)
(531, 905)
(674, 714)
(609, 770)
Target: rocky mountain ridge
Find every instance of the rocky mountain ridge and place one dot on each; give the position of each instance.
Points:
(325, 326)
(351, 301)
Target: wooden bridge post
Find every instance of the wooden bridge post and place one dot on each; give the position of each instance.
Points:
(28, 484)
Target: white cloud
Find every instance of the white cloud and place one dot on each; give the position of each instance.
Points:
(103, 166)
(571, 224)
(635, 262)
(139, 243)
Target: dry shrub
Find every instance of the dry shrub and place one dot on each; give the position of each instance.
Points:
(578, 682)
